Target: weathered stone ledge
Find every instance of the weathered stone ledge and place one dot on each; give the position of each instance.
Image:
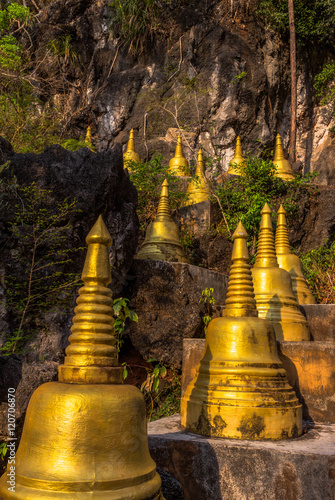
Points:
(224, 469)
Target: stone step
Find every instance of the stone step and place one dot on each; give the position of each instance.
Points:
(310, 368)
(228, 469)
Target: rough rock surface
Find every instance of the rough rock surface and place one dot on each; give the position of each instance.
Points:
(225, 73)
(99, 184)
(166, 297)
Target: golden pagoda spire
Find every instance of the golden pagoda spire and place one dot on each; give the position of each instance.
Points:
(273, 288)
(200, 163)
(266, 252)
(240, 389)
(163, 210)
(197, 188)
(92, 356)
(290, 262)
(238, 159)
(88, 139)
(162, 240)
(178, 165)
(85, 437)
(130, 155)
(284, 169)
(240, 300)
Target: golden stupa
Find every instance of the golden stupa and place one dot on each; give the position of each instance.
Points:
(284, 170)
(85, 437)
(198, 189)
(178, 165)
(240, 389)
(290, 262)
(273, 288)
(88, 139)
(130, 155)
(162, 240)
(238, 159)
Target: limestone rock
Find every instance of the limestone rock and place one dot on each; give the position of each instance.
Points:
(165, 296)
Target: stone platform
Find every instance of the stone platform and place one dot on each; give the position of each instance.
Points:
(222, 469)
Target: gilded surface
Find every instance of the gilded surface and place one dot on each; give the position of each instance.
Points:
(238, 159)
(240, 389)
(290, 262)
(91, 356)
(178, 165)
(88, 139)
(273, 288)
(162, 240)
(198, 189)
(130, 154)
(284, 170)
(84, 438)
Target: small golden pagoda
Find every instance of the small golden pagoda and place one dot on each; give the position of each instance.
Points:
(85, 436)
(240, 389)
(284, 170)
(198, 189)
(237, 160)
(178, 165)
(291, 262)
(88, 139)
(130, 155)
(162, 240)
(273, 288)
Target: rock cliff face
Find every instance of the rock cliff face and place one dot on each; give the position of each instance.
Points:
(214, 72)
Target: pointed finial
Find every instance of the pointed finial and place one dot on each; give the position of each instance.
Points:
(88, 138)
(240, 299)
(282, 241)
(131, 142)
(266, 255)
(238, 149)
(91, 357)
(163, 211)
(238, 159)
(179, 147)
(279, 152)
(200, 167)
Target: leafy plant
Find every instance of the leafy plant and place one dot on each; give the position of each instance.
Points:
(208, 300)
(137, 20)
(62, 47)
(121, 314)
(319, 269)
(243, 197)
(3, 450)
(314, 19)
(239, 77)
(148, 177)
(42, 254)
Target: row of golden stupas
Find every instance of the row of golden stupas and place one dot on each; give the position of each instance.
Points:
(278, 279)
(85, 436)
(240, 389)
(178, 165)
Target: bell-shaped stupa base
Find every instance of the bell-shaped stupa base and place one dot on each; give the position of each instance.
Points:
(170, 252)
(88, 442)
(240, 390)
